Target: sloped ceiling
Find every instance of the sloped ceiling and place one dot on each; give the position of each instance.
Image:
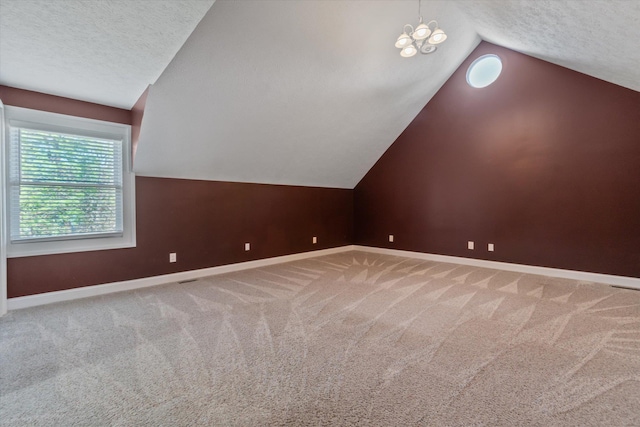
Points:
(103, 51)
(283, 91)
(595, 37)
(294, 92)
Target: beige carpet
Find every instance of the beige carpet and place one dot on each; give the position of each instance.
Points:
(347, 339)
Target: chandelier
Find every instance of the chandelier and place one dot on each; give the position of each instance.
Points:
(423, 38)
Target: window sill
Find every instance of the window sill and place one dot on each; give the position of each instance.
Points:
(17, 250)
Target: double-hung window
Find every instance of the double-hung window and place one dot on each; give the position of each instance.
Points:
(68, 185)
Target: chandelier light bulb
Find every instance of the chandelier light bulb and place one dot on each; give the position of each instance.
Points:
(422, 32)
(403, 40)
(408, 51)
(437, 37)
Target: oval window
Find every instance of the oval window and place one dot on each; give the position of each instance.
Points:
(484, 71)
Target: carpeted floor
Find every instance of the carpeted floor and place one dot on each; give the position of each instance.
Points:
(346, 339)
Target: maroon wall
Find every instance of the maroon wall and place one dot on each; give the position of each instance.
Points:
(206, 223)
(56, 104)
(544, 163)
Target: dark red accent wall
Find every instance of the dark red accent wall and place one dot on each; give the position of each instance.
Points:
(544, 163)
(206, 223)
(57, 104)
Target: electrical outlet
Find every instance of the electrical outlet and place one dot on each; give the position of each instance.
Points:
(490, 247)
(391, 237)
(247, 246)
(470, 245)
(173, 257)
(315, 240)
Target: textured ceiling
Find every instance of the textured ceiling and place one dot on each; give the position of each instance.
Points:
(104, 51)
(280, 91)
(600, 38)
(294, 92)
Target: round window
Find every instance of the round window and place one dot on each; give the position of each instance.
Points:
(484, 71)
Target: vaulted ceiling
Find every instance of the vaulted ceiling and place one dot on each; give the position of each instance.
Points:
(292, 92)
(594, 37)
(103, 51)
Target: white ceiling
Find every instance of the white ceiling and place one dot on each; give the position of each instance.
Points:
(600, 38)
(280, 91)
(103, 51)
(294, 92)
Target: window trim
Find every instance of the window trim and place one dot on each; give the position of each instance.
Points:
(43, 120)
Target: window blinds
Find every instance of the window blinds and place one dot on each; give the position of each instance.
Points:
(64, 186)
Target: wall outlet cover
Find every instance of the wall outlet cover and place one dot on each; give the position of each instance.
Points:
(470, 245)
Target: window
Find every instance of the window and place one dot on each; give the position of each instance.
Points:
(69, 184)
(484, 71)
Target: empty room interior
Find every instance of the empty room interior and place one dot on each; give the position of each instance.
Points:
(320, 212)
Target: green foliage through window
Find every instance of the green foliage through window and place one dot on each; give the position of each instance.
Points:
(64, 185)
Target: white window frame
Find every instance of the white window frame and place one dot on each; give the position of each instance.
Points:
(3, 235)
(23, 117)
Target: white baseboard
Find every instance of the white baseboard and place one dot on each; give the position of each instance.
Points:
(89, 291)
(622, 281)
(107, 288)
